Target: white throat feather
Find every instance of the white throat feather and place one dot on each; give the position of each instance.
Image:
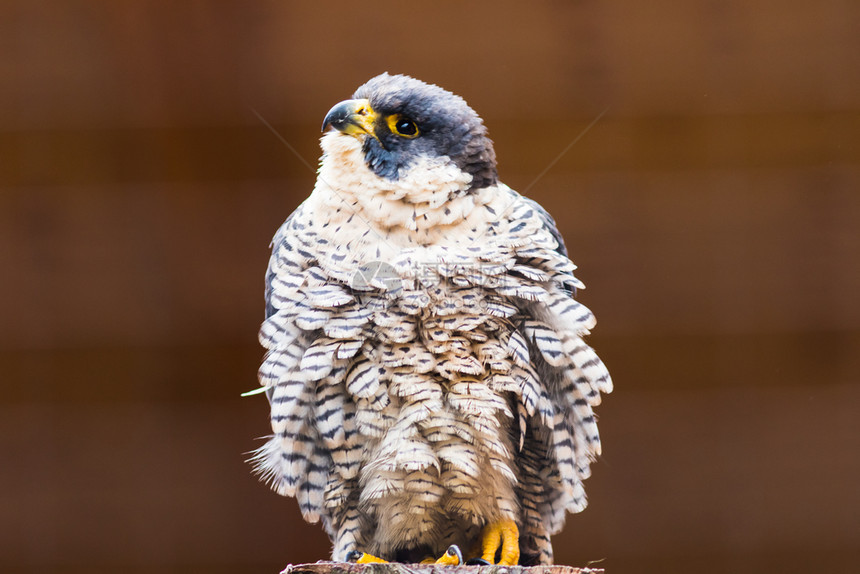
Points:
(432, 193)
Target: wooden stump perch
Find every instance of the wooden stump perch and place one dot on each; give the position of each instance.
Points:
(397, 568)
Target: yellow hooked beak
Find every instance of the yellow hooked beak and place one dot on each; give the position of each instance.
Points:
(353, 117)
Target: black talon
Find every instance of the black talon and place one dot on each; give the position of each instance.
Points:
(477, 562)
(454, 550)
(354, 556)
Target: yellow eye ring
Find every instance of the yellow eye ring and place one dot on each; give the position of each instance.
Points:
(402, 126)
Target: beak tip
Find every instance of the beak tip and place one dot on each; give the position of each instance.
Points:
(345, 117)
(337, 116)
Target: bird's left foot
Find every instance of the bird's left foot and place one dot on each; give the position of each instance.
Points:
(502, 535)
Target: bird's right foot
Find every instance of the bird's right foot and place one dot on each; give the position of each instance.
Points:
(452, 557)
(364, 558)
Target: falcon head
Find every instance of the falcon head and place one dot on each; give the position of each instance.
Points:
(401, 122)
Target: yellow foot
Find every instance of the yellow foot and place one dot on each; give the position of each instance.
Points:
(504, 534)
(363, 558)
(452, 557)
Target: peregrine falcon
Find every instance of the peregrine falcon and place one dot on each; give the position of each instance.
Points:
(431, 394)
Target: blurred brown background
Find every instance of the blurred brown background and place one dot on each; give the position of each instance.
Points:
(713, 212)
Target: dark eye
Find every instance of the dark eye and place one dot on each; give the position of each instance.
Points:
(402, 126)
(406, 128)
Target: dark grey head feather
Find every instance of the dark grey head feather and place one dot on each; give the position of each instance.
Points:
(448, 128)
